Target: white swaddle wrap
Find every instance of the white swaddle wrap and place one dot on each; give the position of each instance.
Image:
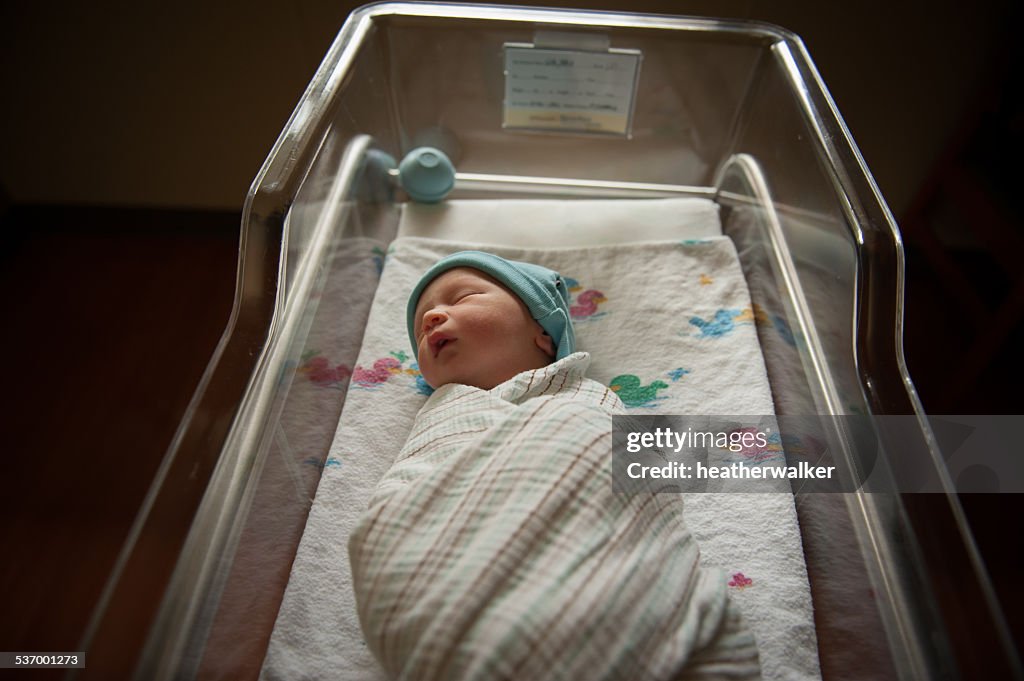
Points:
(495, 547)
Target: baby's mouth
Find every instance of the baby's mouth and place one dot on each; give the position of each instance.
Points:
(437, 342)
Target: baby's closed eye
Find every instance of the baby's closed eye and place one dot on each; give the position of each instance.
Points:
(463, 296)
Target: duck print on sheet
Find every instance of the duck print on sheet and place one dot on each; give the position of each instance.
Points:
(677, 374)
(756, 454)
(633, 393)
(725, 320)
(740, 581)
(583, 303)
(422, 387)
(386, 369)
(786, 333)
(380, 257)
(315, 462)
(377, 374)
(317, 368)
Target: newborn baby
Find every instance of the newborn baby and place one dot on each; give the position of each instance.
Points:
(468, 326)
(494, 547)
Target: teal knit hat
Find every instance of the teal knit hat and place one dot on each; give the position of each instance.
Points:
(542, 290)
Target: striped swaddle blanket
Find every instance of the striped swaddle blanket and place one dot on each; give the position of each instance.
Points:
(494, 548)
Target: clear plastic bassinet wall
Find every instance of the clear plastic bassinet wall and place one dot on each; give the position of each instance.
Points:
(730, 111)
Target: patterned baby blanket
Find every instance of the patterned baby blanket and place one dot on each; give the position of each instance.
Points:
(495, 548)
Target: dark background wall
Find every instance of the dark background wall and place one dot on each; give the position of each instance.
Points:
(176, 104)
(129, 134)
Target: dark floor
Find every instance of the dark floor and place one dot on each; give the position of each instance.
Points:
(112, 317)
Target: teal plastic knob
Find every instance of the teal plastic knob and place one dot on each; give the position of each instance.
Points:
(426, 174)
(373, 182)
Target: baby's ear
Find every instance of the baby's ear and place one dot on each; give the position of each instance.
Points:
(545, 343)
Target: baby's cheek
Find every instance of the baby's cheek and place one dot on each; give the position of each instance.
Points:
(503, 324)
(426, 367)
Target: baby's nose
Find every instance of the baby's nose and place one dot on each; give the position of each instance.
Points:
(432, 318)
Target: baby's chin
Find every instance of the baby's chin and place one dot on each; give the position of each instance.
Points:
(472, 382)
(483, 380)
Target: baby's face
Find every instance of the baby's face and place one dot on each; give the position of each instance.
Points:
(470, 329)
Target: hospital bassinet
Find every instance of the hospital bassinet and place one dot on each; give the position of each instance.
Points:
(730, 112)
